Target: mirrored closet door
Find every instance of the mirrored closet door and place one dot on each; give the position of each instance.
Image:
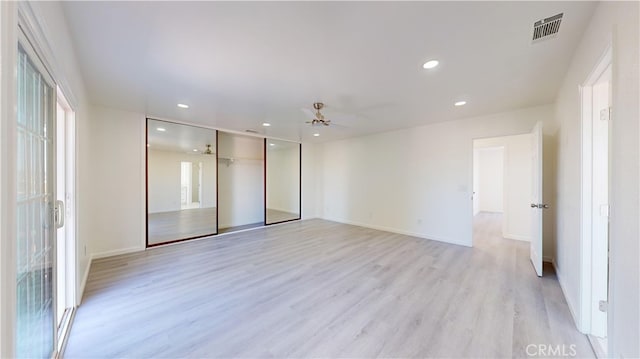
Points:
(181, 182)
(282, 178)
(240, 182)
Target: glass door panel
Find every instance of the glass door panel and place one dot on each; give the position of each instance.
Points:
(35, 332)
(282, 181)
(181, 182)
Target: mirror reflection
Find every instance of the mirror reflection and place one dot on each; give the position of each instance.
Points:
(181, 182)
(283, 181)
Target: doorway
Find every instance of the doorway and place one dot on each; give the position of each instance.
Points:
(596, 116)
(503, 183)
(190, 185)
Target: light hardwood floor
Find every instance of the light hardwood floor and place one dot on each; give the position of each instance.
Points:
(316, 288)
(186, 223)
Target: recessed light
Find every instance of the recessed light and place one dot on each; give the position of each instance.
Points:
(266, 124)
(161, 129)
(272, 144)
(195, 150)
(316, 134)
(430, 64)
(181, 105)
(460, 103)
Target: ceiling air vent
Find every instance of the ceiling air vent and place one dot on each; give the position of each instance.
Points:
(547, 28)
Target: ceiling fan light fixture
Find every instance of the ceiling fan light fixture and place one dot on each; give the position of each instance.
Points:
(207, 151)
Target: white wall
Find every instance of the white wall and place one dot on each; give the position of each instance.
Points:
(312, 185)
(283, 178)
(490, 179)
(418, 181)
(518, 173)
(613, 23)
(117, 214)
(241, 182)
(164, 179)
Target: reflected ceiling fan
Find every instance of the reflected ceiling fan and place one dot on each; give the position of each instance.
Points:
(207, 151)
(317, 118)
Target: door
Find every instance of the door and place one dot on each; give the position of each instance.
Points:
(35, 207)
(536, 200)
(600, 204)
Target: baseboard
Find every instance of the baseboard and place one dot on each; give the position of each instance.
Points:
(399, 231)
(83, 283)
(517, 237)
(117, 252)
(548, 260)
(576, 322)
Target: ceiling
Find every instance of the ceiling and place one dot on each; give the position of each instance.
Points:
(239, 64)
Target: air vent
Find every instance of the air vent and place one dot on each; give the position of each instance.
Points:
(547, 28)
(251, 131)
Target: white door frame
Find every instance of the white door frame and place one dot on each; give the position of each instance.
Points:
(586, 188)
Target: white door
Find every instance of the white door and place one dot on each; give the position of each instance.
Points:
(536, 200)
(600, 203)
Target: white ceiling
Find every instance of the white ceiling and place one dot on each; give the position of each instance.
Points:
(238, 64)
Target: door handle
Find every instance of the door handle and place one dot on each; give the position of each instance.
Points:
(59, 214)
(540, 205)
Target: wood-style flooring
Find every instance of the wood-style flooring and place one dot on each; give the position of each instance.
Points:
(316, 288)
(275, 216)
(186, 223)
(197, 222)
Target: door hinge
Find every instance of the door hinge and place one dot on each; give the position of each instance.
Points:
(605, 114)
(602, 306)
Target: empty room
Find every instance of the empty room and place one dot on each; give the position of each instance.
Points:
(309, 179)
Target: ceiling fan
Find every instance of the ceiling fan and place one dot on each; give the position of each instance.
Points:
(207, 151)
(317, 118)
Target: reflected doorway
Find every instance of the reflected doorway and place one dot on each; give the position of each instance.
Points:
(190, 185)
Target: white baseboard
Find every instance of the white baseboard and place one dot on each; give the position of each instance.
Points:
(83, 283)
(570, 304)
(400, 231)
(117, 252)
(517, 237)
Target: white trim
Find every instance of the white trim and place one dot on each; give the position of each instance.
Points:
(570, 304)
(517, 237)
(36, 30)
(400, 231)
(83, 283)
(143, 183)
(8, 57)
(116, 252)
(586, 205)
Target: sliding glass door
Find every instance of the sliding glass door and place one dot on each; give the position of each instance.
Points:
(35, 206)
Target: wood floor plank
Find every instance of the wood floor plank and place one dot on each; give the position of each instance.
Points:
(316, 288)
